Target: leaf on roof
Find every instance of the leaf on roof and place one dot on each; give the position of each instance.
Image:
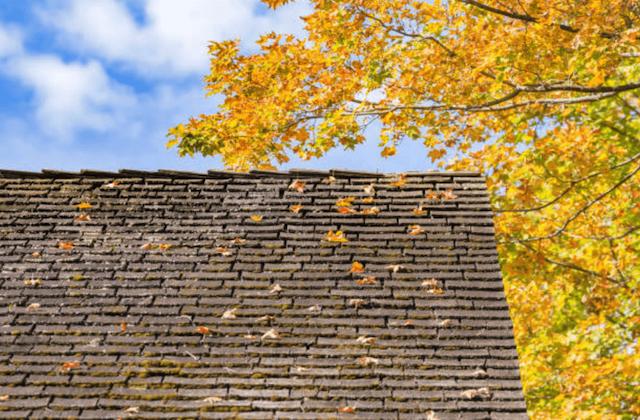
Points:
(346, 409)
(256, 218)
(448, 195)
(33, 307)
(445, 323)
(164, 247)
(408, 322)
(230, 314)
(470, 394)
(479, 373)
(204, 330)
(431, 415)
(296, 208)
(399, 183)
(369, 360)
(36, 255)
(271, 334)
(356, 302)
(430, 283)
(432, 195)
(368, 189)
(419, 210)
(224, 251)
(4, 398)
(65, 245)
(83, 217)
(356, 267)
(367, 280)
(70, 365)
(265, 318)
(415, 230)
(367, 200)
(84, 206)
(238, 241)
(275, 288)
(364, 340)
(395, 267)
(123, 326)
(329, 180)
(300, 368)
(372, 210)
(345, 202)
(111, 185)
(148, 245)
(297, 185)
(335, 237)
(132, 410)
(314, 308)
(345, 210)
(249, 336)
(212, 400)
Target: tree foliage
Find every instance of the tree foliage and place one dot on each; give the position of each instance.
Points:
(539, 95)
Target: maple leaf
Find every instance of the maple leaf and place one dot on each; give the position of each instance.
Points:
(368, 189)
(111, 185)
(368, 200)
(367, 280)
(345, 210)
(84, 206)
(415, 230)
(356, 267)
(148, 245)
(329, 180)
(123, 326)
(65, 245)
(419, 210)
(224, 251)
(33, 307)
(408, 322)
(364, 340)
(369, 360)
(448, 195)
(346, 409)
(83, 217)
(395, 267)
(256, 218)
(204, 330)
(296, 209)
(345, 202)
(271, 334)
(335, 237)
(399, 183)
(432, 196)
(36, 255)
(238, 241)
(297, 185)
(230, 314)
(164, 247)
(70, 365)
(372, 210)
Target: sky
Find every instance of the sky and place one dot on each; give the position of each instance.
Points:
(97, 84)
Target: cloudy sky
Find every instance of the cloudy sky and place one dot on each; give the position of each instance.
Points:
(97, 84)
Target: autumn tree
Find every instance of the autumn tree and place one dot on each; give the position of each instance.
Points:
(539, 95)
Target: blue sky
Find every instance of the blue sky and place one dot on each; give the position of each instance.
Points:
(97, 84)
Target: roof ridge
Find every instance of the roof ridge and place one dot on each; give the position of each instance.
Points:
(256, 173)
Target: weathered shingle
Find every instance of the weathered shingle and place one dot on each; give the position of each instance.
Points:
(172, 302)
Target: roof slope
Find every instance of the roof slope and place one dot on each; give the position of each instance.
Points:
(250, 319)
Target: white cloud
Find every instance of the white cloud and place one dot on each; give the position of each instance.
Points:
(10, 41)
(172, 37)
(71, 96)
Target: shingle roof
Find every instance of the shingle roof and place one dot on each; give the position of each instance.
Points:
(118, 327)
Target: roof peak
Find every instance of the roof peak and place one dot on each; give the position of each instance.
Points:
(256, 173)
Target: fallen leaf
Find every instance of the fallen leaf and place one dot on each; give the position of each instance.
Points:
(398, 183)
(367, 200)
(448, 195)
(300, 369)
(70, 365)
(363, 340)
(65, 245)
(431, 415)
(271, 334)
(111, 185)
(368, 189)
(345, 210)
(372, 210)
(212, 400)
(415, 230)
(275, 288)
(239, 241)
(367, 280)
(132, 410)
(346, 409)
(395, 268)
(419, 210)
(146, 246)
(204, 330)
(473, 393)
(432, 196)
(33, 307)
(356, 267)
(430, 283)
(256, 218)
(369, 360)
(345, 202)
(265, 318)
(330, 180)
(335, 237)
(408, 322)
(164, 247)
(479, 373)
(249, 336)
(445, 323)
(230, 314)
(314, 308)
(123, 326)
(297, 185)
(36, 255)
(83, 217)
(224, 251)
(356, 302)
(84, 206)
(296, 209)
(4, 398)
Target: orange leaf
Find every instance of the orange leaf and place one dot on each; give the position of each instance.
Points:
(256, 218)
(367, 280)
(329, 180)
(367, 200)
(83, 206)
(368, 189)
(146, 246)
(33, 307)
(297, 185)
(111, 185)
(345, 202)
(123, 326)
(335, 237)
(356, 268)
(204, 330)
(407, 322)
(432, 196)
(419, 211)
(4, 398)
(239, 241)
(448, 195)
(36, 255)
(346, 409)
(65, 245)
(345, 210)
(296, 208)
(70, 365)
(164, 247)
(372, 210)
(83, 217)
(415, 229)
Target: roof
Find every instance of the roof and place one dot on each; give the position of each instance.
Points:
(173, 302)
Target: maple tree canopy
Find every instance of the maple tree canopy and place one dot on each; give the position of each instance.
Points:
(539, 95)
